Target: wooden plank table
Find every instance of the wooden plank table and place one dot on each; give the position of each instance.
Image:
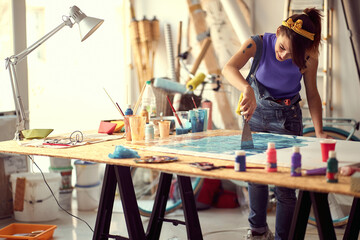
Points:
(313, 189)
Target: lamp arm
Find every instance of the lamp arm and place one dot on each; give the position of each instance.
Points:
(20, 56)
(11, 63)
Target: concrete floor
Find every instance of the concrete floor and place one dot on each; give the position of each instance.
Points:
(215, 223)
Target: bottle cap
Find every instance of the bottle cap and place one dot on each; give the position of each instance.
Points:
(296, 149)
(148, 82)
(240, 153)
(332, 154)
(271, 145)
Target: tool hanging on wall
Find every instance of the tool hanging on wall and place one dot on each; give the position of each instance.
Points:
(144, 35)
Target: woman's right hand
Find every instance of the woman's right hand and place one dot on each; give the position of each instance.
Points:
(248, 103)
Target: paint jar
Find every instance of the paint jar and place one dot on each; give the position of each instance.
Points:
(137, 125)
(88, 197)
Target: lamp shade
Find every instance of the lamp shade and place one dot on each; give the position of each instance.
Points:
(87, 25)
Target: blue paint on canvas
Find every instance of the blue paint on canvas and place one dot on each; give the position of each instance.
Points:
(229, 144)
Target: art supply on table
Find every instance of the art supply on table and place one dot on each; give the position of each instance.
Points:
(184, 118)
(355, 182)
(169, 85)
(326, 146)
(348, 170)
(107, 127)
(296, 162)
(129, 111)
(208, 104)
(246, 136)
(137, 126)
(164, 129)
(123, 152)
(271, 158)
(144, 113)
(332, 168)
(197, 118)
(206, 166)
(240, 161)
(149, 132)
(127, 127)
(173, 109)
(193, 100)
(148, 100)
(156, 159)
(316, 171)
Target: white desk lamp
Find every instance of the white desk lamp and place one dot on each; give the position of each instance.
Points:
(87, 25)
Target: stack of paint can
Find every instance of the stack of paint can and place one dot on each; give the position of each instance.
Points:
(87, 185)
(63, 166)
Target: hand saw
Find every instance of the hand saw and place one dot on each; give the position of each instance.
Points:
(246, 137)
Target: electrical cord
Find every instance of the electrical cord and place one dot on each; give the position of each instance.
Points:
(56, 198)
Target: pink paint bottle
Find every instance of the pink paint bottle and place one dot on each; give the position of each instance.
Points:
(271, 158)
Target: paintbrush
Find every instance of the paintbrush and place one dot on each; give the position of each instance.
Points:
(246, 137)
(173, 109)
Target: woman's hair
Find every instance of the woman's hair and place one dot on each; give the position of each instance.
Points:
(311, 19)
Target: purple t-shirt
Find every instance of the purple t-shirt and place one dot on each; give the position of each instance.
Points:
(281, 79)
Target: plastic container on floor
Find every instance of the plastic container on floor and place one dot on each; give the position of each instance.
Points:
(60, 162)
(65, 198)
(27, 231)
(88, 196)
(87, 173)
(39, 203)
(66, 175)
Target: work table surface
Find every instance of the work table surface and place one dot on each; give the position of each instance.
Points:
(98, 152)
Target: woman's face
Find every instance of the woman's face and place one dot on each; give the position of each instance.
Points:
(282, 47)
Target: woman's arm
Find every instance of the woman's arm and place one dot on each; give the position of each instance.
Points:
(313, 97)
(235, 78)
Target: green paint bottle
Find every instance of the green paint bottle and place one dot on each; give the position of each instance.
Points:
(332, 168)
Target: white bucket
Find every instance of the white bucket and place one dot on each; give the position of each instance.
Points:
(39, 203)
(60, 162)
(88, 196)
(65, 198)
(87, 173)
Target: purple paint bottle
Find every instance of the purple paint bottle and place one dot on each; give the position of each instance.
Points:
(296, 162)
(240, 161)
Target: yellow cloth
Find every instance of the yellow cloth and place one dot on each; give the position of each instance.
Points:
(119, 125)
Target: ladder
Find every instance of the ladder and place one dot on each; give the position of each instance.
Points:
(297, 6)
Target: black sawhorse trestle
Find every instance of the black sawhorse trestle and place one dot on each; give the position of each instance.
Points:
(121, 175)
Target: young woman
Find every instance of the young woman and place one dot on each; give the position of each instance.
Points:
(271, 101)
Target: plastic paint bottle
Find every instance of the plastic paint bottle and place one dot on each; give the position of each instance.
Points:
(148, 100)
(271, 158)
(149, 132)
(332, 168)
(240, 161)
(144, 113)
(296, 162)
(129, 111)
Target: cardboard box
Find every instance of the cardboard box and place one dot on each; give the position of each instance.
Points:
(9, 163)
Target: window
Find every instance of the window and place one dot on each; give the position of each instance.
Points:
(6, 50)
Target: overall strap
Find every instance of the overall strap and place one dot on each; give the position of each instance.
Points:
(259, 48)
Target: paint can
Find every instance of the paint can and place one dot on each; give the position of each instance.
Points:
(87, 173)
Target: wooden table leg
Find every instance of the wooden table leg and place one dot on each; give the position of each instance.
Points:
(353, 225)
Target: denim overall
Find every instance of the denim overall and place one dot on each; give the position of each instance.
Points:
(272, 116)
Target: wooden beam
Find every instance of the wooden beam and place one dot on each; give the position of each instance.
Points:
(198, 17)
